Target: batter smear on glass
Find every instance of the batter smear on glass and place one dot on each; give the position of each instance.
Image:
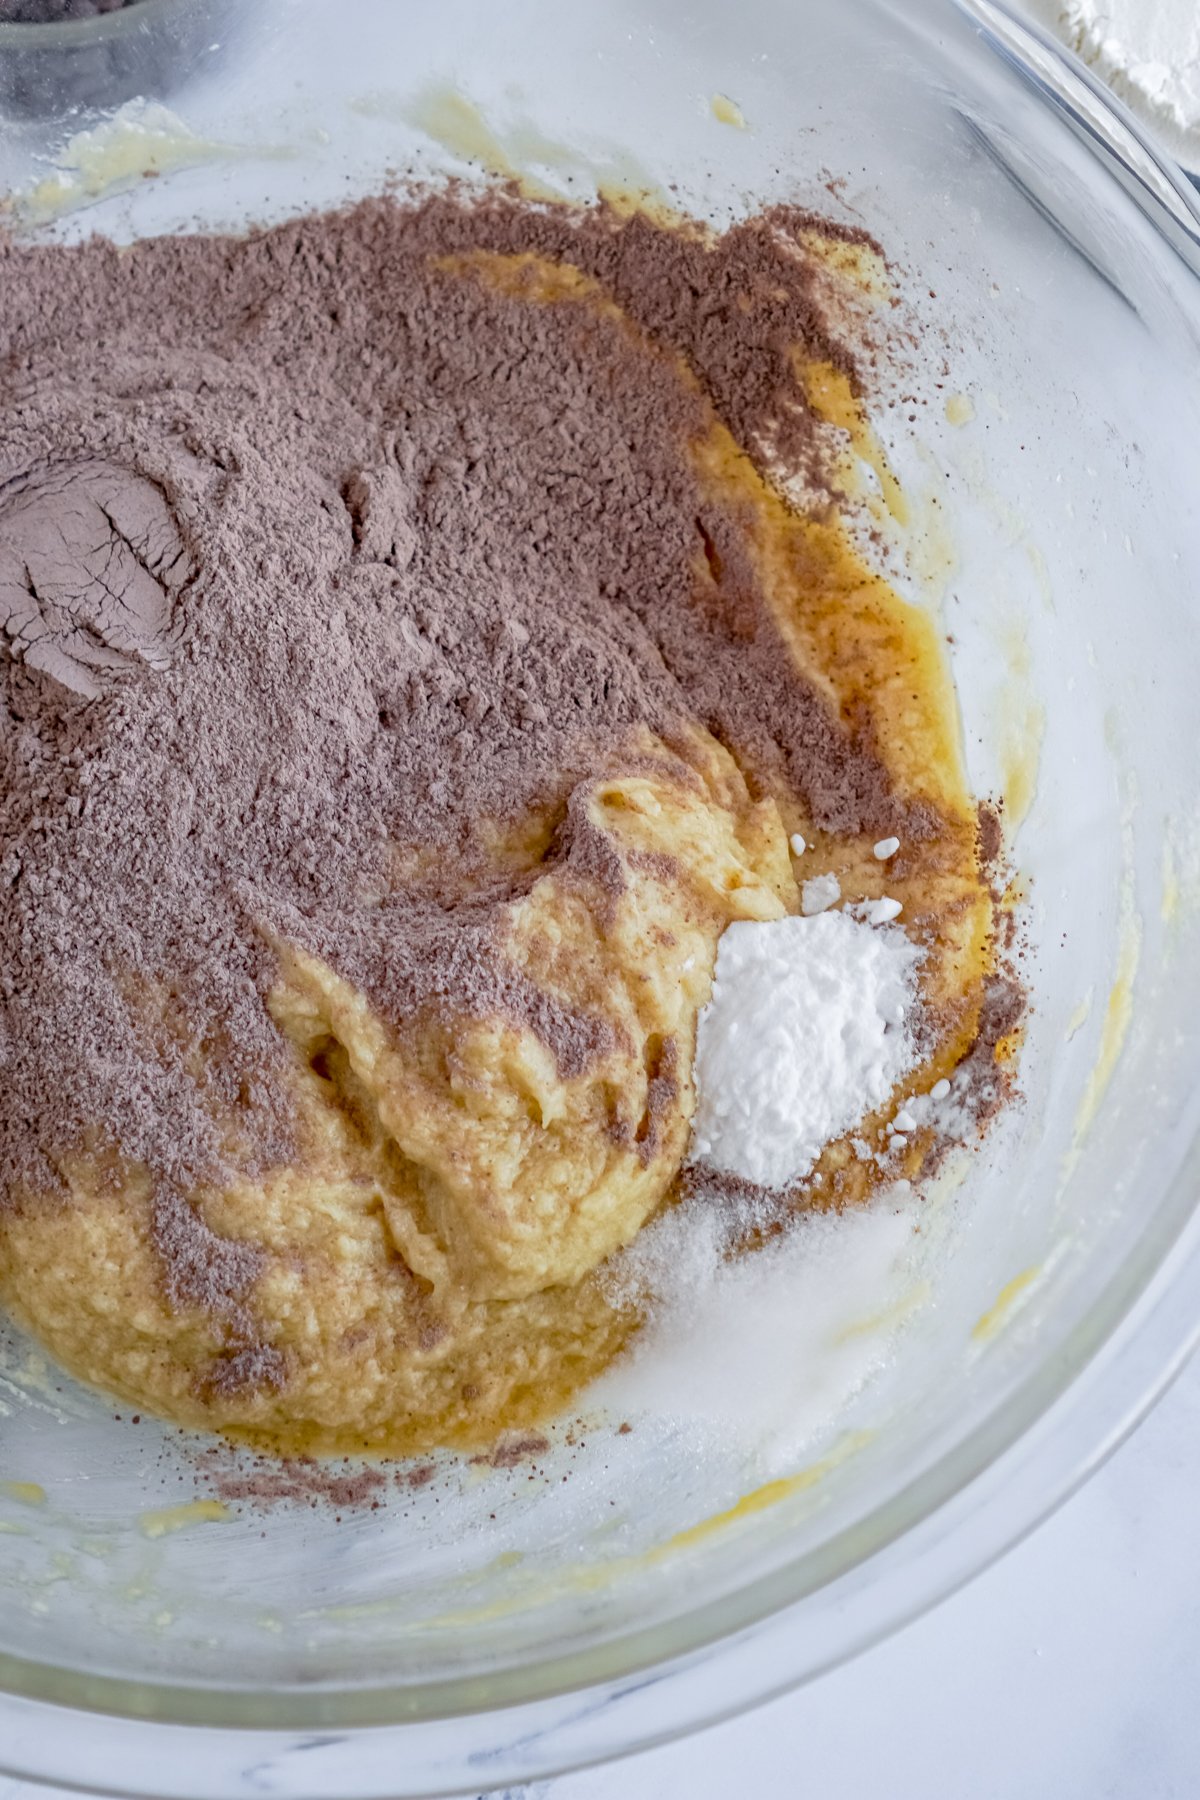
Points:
(427, 628)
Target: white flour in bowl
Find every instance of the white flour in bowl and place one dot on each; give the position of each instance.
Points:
(1148, 51)
(805, 1035)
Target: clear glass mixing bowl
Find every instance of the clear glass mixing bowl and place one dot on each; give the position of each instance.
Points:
(491, 1627)
(146, 48)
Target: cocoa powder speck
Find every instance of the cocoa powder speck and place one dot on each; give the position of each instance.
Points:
(262, 1483)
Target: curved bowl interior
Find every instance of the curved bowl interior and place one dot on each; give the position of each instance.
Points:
(1056, 531)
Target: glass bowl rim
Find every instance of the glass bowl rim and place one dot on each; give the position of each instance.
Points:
(532, 1682)
(78, 34)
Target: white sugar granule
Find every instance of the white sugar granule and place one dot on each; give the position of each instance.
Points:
(804, 1036)
(767, 1349)
(877, 912)
(820, 892)
(950, 1107)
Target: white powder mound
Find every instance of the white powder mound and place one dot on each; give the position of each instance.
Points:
(1148, 51)
(762, 1354)
(805, 1035)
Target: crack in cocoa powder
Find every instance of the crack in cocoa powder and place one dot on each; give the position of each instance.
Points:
(91, 563)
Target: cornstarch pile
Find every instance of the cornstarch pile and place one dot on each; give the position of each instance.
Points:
(806, 1034)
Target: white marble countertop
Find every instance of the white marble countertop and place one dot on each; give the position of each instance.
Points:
(1069, 1671)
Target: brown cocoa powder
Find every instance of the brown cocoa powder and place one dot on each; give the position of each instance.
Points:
(262, 1482)
(364, 553)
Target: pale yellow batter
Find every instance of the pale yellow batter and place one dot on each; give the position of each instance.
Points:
(425, 1257)
(431, 1258)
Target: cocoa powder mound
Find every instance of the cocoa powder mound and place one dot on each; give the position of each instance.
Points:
(361, 553)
